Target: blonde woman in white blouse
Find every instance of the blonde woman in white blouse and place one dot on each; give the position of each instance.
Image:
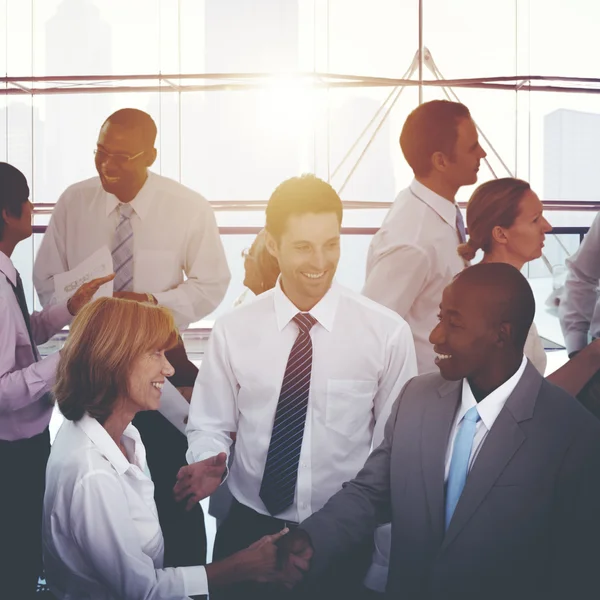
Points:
(101, 534)
(505, 219)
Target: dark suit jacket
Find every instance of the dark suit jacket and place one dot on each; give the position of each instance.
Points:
(527, 524)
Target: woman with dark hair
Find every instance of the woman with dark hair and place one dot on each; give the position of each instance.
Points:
(101, 533)
(505, 220)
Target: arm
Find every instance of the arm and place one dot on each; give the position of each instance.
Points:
(52, 255)
(53, 318)
(578, 301)
(205, 268)
(49, 321)
(20, 387)
(401, 366)
(103, 532)
(397, 278)
(576, 372)
(351, 516)
(576, 525)
(213, 409)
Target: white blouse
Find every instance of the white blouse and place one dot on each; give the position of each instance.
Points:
(101, 534)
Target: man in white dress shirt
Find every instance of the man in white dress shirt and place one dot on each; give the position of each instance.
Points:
(579, 308)
(158, 231)
(305, 375)
(413, 256)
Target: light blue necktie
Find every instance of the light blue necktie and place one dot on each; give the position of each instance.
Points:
(122, 251)
(459, 465)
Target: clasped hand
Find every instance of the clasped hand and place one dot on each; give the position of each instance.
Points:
(282, 558)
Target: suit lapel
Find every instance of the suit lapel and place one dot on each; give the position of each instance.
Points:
(500, 445)
(437, 424)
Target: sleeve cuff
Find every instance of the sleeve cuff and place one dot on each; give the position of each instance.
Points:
(195, 582)
(575, 341)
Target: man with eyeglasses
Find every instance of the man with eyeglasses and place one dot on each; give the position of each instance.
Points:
(157, 230)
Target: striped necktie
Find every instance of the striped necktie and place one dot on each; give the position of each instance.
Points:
(460, 226)
(122, 251)
(281, 469)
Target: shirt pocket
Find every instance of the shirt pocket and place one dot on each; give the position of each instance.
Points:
(349, 405)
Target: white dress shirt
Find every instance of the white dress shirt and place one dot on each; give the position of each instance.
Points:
(101, 535)
(24, 378)
(411, 259)
(489, 409)
(174, 232)
(363, 354)
(579, 308)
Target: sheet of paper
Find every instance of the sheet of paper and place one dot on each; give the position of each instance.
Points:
(97, 265)
(173, 406)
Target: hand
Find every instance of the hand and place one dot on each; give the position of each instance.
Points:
(131, 296)
(85, 293)
(199, 480)
(295, 553)
(258, 562)
(186, 392)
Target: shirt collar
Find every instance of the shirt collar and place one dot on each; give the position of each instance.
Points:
(140, 204)
(442, 206)
(324, 311)
(489, 408)
(107, 447)
(7, 267)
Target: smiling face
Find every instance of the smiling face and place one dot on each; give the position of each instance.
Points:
(308, 253)
(146, 379)
(122, 160)
(465, 339)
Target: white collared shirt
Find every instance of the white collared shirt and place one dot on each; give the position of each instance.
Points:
(174, 233)
(579, 308)
(101, 535)
(363, 354)
(489, 409)
(411, 259)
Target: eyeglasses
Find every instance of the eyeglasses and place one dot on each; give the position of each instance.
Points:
(120, 159)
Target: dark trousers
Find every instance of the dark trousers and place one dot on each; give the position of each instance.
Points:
(184, 532)
(22, 483)
(244, 526)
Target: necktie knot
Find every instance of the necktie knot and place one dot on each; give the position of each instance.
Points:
(472, 415)
(305, 321)
(126, 211)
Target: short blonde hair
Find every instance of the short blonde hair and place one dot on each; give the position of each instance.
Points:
(105, 338)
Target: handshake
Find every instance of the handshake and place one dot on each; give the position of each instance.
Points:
(282, 558)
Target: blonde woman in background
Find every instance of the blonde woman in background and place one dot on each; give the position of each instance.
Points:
(505, 219)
